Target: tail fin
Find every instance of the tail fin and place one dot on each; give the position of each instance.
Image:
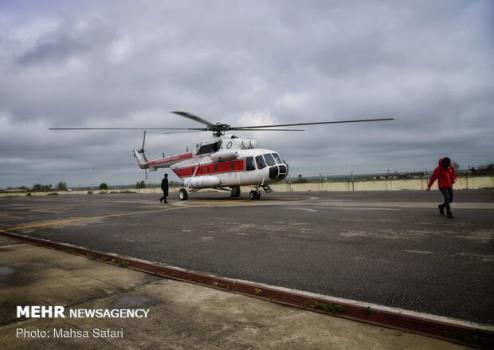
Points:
(141, 159)
(139, 154)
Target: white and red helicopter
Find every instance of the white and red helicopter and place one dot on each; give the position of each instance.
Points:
(226, 161)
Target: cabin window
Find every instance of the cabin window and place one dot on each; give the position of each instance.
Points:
(278, 160)
(209, 148)
(249, 164)
(261, 164)
(269, 159)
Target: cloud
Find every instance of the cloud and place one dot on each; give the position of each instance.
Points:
(428, 64)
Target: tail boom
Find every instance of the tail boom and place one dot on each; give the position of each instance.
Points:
(162, 162)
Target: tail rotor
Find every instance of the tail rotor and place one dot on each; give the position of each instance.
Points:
(143, 142)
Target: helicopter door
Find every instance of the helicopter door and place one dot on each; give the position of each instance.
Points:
(261, 164)
(251, 173)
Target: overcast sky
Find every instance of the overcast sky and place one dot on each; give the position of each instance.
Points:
(429, 64)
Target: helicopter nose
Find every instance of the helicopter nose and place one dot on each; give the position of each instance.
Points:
(283, 171)
(278, 172)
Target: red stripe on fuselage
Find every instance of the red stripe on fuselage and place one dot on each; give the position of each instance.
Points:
(211, 168)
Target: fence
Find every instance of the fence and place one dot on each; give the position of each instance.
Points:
(352, 184)
(464, 182)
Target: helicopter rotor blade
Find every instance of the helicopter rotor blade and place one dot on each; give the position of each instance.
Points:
(260, 129)
(183, 132)
(219, 129)
(77, 129)
(193, 117)
(315, 123)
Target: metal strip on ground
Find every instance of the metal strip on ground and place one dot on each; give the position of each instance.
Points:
(455, 331)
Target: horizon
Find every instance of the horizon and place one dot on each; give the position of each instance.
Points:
(174, 180)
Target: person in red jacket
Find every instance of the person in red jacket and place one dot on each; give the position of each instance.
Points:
(446, 177)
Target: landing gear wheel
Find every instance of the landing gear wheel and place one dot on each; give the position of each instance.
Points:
(182, 194)
(235, 192)
(254, 195)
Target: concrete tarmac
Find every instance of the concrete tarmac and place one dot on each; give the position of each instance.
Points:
(388, 248)
(181, 315)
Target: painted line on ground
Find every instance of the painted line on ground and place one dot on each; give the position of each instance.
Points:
(402, 205)
(82, 219)
(456, 331)
(90, 219)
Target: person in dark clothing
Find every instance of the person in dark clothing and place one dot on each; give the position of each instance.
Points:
(164, 188)
(446, 177)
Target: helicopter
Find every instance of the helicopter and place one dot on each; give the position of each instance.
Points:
(224, 162)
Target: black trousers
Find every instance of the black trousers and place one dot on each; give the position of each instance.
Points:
(165, 194)
(448, 196)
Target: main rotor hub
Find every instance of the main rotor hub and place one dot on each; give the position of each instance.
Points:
(219, 128)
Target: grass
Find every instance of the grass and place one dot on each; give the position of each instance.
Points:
(327, 307)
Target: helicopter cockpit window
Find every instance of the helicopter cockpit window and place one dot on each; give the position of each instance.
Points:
(269, 159)
(209, 148)
(261, 164)
(278, 160)
(249, 164)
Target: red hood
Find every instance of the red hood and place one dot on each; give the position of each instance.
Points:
(446, 176)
